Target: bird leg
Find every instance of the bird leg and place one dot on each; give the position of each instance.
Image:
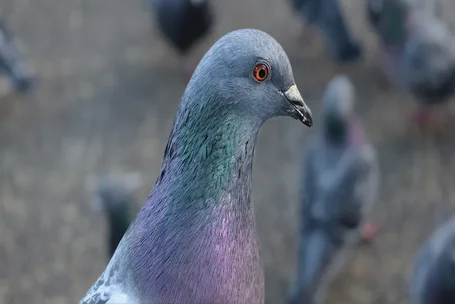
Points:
(425, 118)
(368, 232)
(308, 33)
(389, 68)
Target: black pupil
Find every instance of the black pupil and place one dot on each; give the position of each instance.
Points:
(261, 73)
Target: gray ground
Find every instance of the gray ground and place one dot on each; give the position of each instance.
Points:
(108, 90)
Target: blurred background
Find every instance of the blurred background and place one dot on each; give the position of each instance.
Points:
(107, 88)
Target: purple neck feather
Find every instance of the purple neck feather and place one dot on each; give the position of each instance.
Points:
(194, 241)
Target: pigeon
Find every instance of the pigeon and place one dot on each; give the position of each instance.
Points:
(194, 240)
(387, 18)
(326, 16)
(432, 278)
(10, 62)
(115, 198)
(339, 187)
(419, 54)
(183, 23)
(428, 65)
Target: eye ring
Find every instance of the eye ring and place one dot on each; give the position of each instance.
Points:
(261, 72)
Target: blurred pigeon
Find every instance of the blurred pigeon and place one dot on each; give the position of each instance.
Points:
(428, 64)
(195, 241)
(388, 19)
(433, 7)
(340, 182)
(183, 23)
(115, 197)
(10, 62)
(326, 16)
(433, 277)
(420, 53)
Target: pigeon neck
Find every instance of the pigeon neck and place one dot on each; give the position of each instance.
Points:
(341, 132)
(336, 129)
(204, 215)
(209, 159)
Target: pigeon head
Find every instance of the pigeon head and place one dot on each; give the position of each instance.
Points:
(10, 63)
(115, 195)
(115, 198)
(338, 103)
(111, 196)
(247, 73)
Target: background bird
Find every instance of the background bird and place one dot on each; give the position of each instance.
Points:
(11, 63)
(115, 198)
(195, 241)
(327, 18)
(388, 19)
(419, 53)
(340, 180)
(433, 275)
(183, 23)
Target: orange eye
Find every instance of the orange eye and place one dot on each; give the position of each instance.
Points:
(261, 72)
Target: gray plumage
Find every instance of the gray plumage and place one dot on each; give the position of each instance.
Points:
(328, 18)
(194, 241)
(183, 22)
(11, 63)
(428, 63)
(433, 276)
(386, 16)
(419, 47)
(339, 186)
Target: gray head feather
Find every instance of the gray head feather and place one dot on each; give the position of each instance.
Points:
(225, 75)
(339, 96)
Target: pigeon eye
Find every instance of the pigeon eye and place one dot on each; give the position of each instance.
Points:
(260, 72)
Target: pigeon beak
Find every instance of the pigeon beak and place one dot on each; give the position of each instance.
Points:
(299, 109)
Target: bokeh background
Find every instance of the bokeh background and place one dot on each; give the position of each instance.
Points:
(107, 91)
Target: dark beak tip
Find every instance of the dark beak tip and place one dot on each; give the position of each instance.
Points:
(308, 121)
(306, 117)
